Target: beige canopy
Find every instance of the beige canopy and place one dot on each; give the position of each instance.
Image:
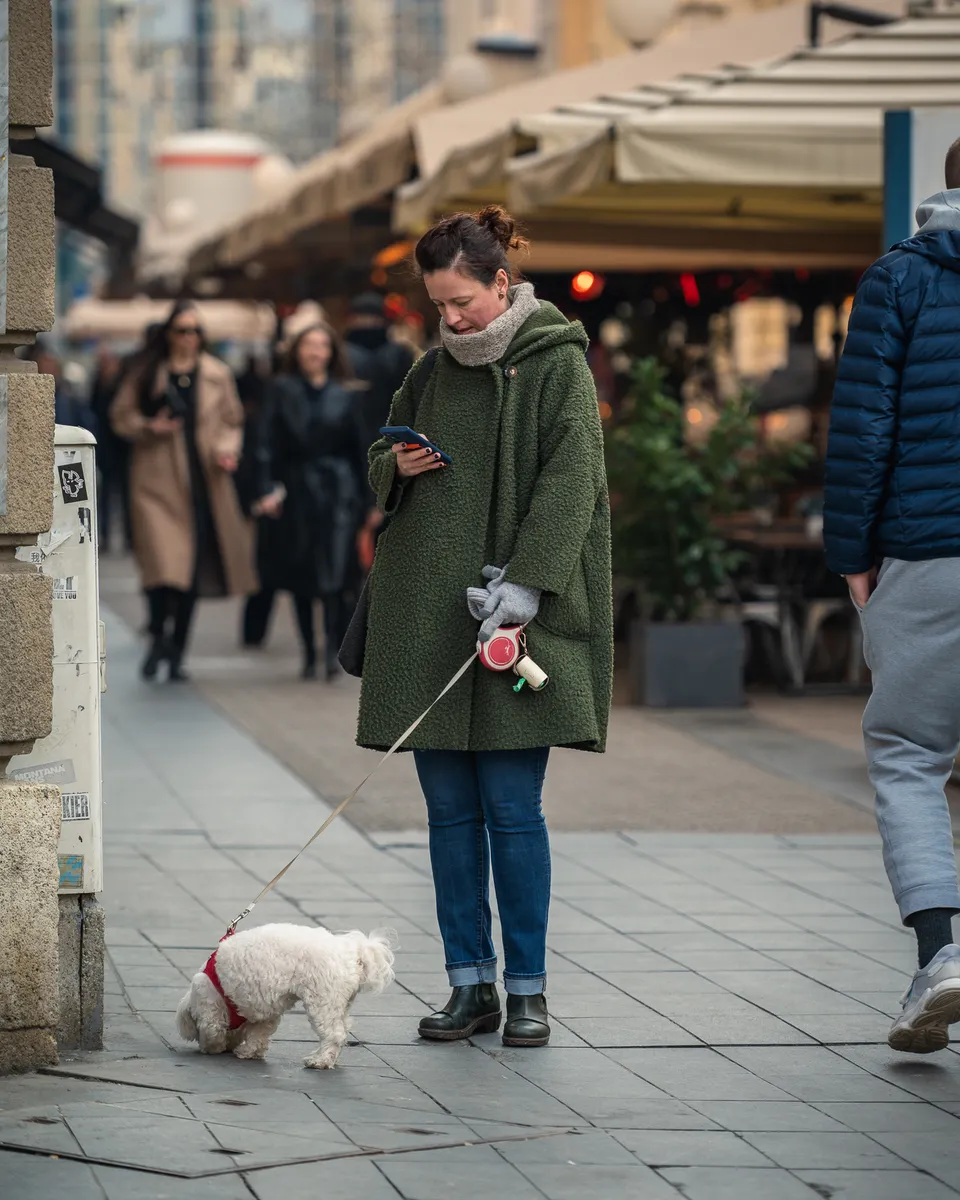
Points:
(126, 320)
(458, 148)
(578, 124)
(363, 170)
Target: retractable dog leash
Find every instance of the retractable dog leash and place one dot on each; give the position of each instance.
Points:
(343, 803)
(506, 650)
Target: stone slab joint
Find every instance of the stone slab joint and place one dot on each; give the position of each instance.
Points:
(26, 657)
(29, 997)
(31, 248)
(31, 66)
(30, 422)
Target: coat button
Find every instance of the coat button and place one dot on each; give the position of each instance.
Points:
(510, 372)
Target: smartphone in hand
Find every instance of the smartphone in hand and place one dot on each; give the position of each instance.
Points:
(411, 439)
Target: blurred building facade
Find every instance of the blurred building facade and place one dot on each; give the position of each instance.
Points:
(301, 74)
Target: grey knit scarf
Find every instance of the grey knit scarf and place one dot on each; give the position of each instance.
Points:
(490, 345)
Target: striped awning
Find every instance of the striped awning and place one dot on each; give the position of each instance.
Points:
(800, 132)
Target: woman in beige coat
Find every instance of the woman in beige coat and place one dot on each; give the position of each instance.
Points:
(179, 408)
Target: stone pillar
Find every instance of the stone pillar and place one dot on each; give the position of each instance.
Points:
(29, 812)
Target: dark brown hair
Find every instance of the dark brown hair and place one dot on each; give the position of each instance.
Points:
(339, 366)
(952, 166)
(156, 349)
(475, 245)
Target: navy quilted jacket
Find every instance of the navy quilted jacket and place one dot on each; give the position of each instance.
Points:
(893, 462)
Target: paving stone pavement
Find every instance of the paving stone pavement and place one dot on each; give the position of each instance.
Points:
(720, 1004)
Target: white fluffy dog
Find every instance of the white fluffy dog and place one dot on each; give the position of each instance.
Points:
(265, 971)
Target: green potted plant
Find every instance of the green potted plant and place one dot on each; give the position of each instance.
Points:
(666, 496)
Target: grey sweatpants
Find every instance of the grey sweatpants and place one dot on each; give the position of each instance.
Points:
(911, 726)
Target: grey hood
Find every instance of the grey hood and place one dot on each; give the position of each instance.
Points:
(940, 212)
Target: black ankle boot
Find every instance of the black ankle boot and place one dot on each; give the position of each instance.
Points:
(177, 674)
(472, 1009)
(155, 656)
(309, 665)
(526, 1021)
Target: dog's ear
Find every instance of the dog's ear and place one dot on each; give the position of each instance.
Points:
(186, 1025)
(376, 959)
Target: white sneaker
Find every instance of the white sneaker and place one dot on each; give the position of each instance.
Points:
(931, 1004)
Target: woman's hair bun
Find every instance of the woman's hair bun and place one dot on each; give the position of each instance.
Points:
(498, 221)
(475, 244)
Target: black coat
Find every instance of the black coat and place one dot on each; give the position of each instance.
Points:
(310, 441)
(382, 366)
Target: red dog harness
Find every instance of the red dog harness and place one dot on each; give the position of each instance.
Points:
(210, 970)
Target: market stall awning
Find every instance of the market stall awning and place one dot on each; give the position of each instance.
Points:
(125, 320)
(558, 136)
(334, 184)
(815, 120)
(802, 134)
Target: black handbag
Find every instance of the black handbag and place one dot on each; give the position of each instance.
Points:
(354, 645)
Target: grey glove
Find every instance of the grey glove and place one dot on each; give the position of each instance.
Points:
(504, 603)
(477, 597)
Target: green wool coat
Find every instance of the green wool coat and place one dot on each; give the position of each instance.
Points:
(527, 486)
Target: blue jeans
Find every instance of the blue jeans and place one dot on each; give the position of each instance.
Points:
(484, 809)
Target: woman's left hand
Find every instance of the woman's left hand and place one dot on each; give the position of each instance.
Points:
(227, 462)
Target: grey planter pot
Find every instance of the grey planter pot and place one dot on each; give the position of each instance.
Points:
(695, 665)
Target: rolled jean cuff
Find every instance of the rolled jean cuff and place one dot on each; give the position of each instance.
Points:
(469, 974)
(928, 895)
(525, 985)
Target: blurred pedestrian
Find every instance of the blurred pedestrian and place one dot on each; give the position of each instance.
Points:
(69, 406)
(378, 361)
(892, 528)
(252, 387)
(312, 462)
(178, 406)
(523, 506)
(113, 453)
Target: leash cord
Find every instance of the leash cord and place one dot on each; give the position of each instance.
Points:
(343, 803)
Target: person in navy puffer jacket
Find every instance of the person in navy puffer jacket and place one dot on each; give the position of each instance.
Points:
(892, 528)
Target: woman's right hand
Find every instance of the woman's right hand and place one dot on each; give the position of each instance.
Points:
(268, 506)
(164, 424)
(415, 460)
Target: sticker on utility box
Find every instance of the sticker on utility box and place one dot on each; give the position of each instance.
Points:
(62, 771)
(65, 589)
(73, 486)
(76, 806)
(71, 870)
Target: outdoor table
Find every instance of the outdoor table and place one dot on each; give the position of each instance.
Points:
(791, 547)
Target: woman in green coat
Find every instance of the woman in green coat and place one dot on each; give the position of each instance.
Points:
(515, 531)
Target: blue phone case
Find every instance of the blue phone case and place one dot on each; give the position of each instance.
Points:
(403, 433)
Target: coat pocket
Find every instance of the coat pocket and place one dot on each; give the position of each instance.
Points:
(568, 614)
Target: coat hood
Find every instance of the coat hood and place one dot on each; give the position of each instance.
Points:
(938, 238)
(545, 330)
(940, 212)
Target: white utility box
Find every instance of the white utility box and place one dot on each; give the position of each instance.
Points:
(70, 756)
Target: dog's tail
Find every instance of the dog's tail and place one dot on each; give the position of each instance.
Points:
(376, 954)
(186, 1025)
